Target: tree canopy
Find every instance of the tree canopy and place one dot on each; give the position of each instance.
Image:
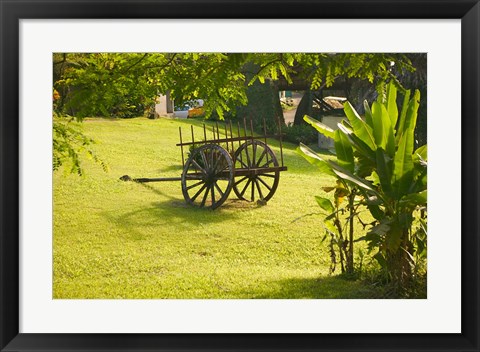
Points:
(122, 84)
(127, 84)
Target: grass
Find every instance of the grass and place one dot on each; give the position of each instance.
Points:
(115, 239)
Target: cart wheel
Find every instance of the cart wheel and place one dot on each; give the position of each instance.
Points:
(207, 177)
(255, 154)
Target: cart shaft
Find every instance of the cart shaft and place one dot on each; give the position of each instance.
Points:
(157, 179)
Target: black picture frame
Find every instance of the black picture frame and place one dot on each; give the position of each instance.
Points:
(11, 11)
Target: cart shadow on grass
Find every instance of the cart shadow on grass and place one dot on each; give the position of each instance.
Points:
(167, 169)
(177, 202)
(135, 223)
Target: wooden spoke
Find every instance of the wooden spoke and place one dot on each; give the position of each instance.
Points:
(249, 163)
(215, 164)
(245, 188)
(259, 189)
(223, 168)
(261, 157)
(253, 191)
(212, 161)
(219, 189)
(241, 180)
(267, 163)
(242, 163)
(199, 191)
(195, 184)
(264, 183)
(205, 197)
(203, 156)
(213, 193)
(198, 167)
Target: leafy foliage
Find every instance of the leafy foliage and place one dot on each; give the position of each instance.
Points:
(69, 143)
(127, 84)
(376, 160)
(108, 84)
(376, 68)
(121, 84)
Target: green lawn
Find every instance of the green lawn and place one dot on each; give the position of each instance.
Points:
(115, 239)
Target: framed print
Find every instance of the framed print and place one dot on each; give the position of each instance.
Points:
(233, 253)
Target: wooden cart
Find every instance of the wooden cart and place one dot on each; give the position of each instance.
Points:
(214, 167)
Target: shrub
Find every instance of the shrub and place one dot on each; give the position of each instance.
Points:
(300, 134)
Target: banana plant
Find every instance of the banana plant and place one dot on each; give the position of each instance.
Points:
(376, 157)
(338, 225)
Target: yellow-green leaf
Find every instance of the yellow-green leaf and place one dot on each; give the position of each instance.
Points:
(392, 103)
(325, 204)
(315, 159)
(360, 128)
(320, 127)
(344, 151)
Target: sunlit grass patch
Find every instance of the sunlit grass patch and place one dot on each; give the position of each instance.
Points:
(116, 239)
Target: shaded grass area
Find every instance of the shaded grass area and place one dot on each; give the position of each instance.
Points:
(115, 239)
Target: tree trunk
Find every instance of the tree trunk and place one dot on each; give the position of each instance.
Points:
(351, 199)
(303, 108)
(400, 266)
(263, 103)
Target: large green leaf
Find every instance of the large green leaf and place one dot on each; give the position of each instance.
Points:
(374, 178)
(325, 204)
(368, 114)
(420, 155)
(330, 227)
(420, 182)
(373, 239)
(378, 121)
(376, 212)
(384, 172)
(382, 228)
(381, 259)
(360, 146)
(382, 128)
(392, 104)
(403, 161)
(360, 127)
(364, 166)
(344, 151)
(346, 124)
(315, 159)
(320, 127)
(403, 165)
(403, 114)
(415, 199)
(348, 176)
(409, 121)
(412, 111)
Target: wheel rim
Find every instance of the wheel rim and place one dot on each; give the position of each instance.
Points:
(207, 177)
(254, 154)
